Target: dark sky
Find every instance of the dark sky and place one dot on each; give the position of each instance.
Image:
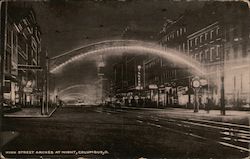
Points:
(70, 24)
(67, 25)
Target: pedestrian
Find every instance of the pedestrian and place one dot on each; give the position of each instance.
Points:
(200, 102)
(208, 104)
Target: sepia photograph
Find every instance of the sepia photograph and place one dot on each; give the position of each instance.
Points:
(136, 79)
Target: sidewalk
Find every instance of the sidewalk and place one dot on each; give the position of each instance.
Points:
(232, 116)
(31, 113)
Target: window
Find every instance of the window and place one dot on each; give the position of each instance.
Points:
(201, 56)
(191, 43)
(217, 31)
(211, 34)
(196, 56)
(7, 62)
(201, 37)
(177, 33)
(207, 54)
(180, 31)
(9, 32)
(184, 30)
(217, 50)
(212, 53)
(196, 41)
(206, 34)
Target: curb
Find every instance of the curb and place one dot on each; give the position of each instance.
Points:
(137, 108)
(30, 116)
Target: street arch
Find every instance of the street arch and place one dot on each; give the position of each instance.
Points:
(121, 46)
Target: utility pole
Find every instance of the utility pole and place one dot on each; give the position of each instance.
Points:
(47, 84)
(222, 100)
(222, 75)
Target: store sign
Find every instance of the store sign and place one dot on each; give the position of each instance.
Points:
(27, 89)
(138, 87)
(167, 88)
(29, 67)
(181, 89)
(152, 86)
(203, 82)
(139, 76)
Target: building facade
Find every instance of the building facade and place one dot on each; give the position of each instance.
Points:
(22, 47)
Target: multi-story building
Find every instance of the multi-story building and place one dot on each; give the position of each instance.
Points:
(204, 36)
(129, 78)
(218, 46)
(215, 36)
(23, 47)
(174, 36)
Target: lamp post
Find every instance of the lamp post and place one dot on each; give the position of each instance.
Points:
(196, 85)
(47, 84)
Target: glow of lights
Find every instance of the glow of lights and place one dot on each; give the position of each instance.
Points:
(169, 54)
(71, 87)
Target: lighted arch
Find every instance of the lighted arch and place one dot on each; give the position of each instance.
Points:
(72, 87)
(133, 46)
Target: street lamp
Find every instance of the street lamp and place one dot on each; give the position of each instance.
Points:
(196, 85)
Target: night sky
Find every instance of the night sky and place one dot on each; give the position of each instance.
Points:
(69, 24)
(66, 25)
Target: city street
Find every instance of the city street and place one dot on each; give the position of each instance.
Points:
(124, 79)
(118, 133)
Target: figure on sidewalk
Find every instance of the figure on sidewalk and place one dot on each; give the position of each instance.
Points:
(208, 104)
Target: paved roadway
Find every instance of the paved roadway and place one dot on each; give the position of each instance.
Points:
(121, 133)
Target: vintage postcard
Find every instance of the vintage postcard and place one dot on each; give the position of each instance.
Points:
(124, 79)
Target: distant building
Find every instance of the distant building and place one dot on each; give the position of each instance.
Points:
(129, 77)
